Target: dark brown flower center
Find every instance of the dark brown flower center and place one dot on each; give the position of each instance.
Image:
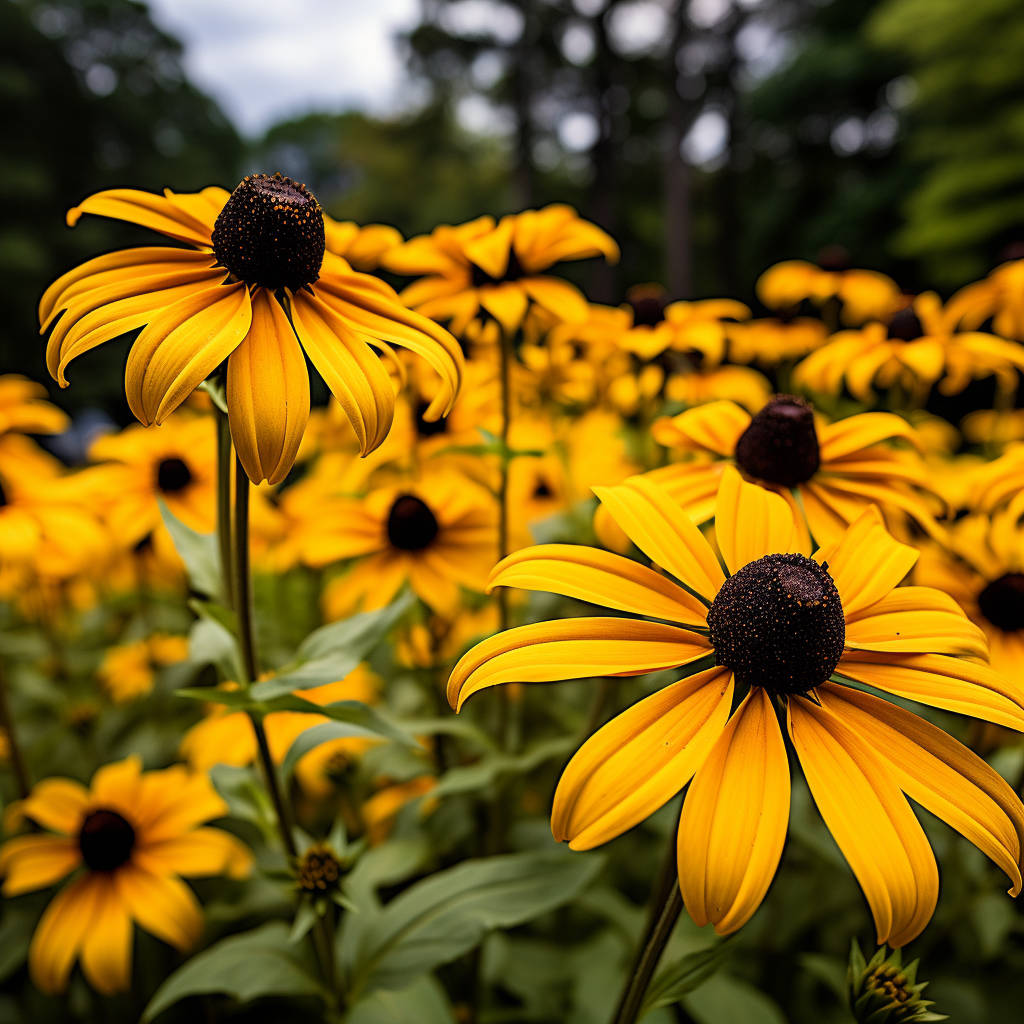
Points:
(173, 475)
(1002, 602)
(648, 303)
(271, 233)
(778, 623)
(905, 325)
(411, 524)
(513, 272)
(3, 495)
(781, 443)
(319, 870)
(106, 840)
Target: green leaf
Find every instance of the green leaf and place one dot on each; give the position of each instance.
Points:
(331, 652)
(443, 916)
(725, 999)
(350, 718)
(469, 778)
(245, 967)
(211, 643)
(673, 982)
(198, 551)
(424, 1002)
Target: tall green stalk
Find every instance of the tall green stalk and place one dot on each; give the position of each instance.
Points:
(14, 751)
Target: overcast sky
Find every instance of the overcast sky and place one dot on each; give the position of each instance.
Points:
(268, 59)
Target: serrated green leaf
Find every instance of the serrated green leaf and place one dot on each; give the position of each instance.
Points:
(199, 552)
(245, 967)
(447, 914)
(673, 982)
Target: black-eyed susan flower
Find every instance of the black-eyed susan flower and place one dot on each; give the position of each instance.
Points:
(24, 409)
(130, 839)
(786, 632)
(499, 268)
(862, 295)
(913, 350)
(436, 533)
(128, 670)
(828, 472)
(253, 284)
(361, 245)
(999, 298)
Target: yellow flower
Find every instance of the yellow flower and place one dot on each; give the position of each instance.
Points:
(132, 836)
(740, 384)
(999, 298)
(256, 287)
(828, 472)
(770, 342)
(864, 294)
(695, 330)
(436, 534)
(126, 670)
(499, 268)
(983, 570)
(914, 350)
(362, 246)
(23, 408)
(786, 633)
(380, 811)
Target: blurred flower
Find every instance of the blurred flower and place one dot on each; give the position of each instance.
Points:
(133, 835)
(257, 288)
(24, 409)
(381, 809)
(773, 341)
(999, 298)
(435, 533)
(127, 670)
(915, 349)
(739, 384)
(828, 472)
(863, 294)
(361, 246)
(498, 268)
(780, 626)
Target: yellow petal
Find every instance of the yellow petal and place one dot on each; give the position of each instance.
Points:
(162, 904)
(751, 522)
(844, 437)
(915, 620)
(870, 819)
(107, 943)
(660, 528)
(507, 303)
(640, 759)
(59, 934)
(572, 649)
(33, 862)
(182, 346)
(267, 393)
(714, 427)
(734, 819)
(866, 562)
(939, 773)
(589, 574)
(202, 851)
(954, 684)
(558, 297)
(56, 804)
(144, 208)
(356, 377)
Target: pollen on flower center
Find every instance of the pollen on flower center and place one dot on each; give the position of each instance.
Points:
(319, 870)
(1002, 602)
(271, 233)
(173, 475)
(411, 524)
(778, 623)
(781, 444)
(105, 839)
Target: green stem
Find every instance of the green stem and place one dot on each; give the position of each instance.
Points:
(664, 909)
(17, 758)
(225, 463)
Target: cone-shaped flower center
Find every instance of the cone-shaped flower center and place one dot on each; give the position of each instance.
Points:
(173, 475)
(1002, 602)
(3, 495)
(271, 233)
(905, 325)
(781, 444)
(778, 623)
(648, 303)
(106, 840)
(411, 524)
(319, 870)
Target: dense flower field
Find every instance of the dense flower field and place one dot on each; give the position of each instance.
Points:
(775, 562)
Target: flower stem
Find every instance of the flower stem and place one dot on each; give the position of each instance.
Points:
(665, 907)
(225, 463)
(15, 755)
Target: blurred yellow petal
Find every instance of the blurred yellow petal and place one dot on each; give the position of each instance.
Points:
(107, 943)
(161, 904)
(32, 862)
(751, 522)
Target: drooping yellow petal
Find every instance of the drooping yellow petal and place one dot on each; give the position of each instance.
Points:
(181, 346)
(356, 377)
(844, 437)
(59, 934)
(146, 209)
(202, 851)
(713, 427)
(866, 562)
(915, 620)
(32, 862)
(751, 522)
(589, 574)
(660, 528)
(572, 649)
(56, 804)
(267, 393)
(640, 759)
(559, 298)
(507, 303)
(939, 773)
(162, 904)
(734, 819)
(107, 943)
(870, 819)
(954, 684)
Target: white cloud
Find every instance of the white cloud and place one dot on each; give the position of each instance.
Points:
(264, 60)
